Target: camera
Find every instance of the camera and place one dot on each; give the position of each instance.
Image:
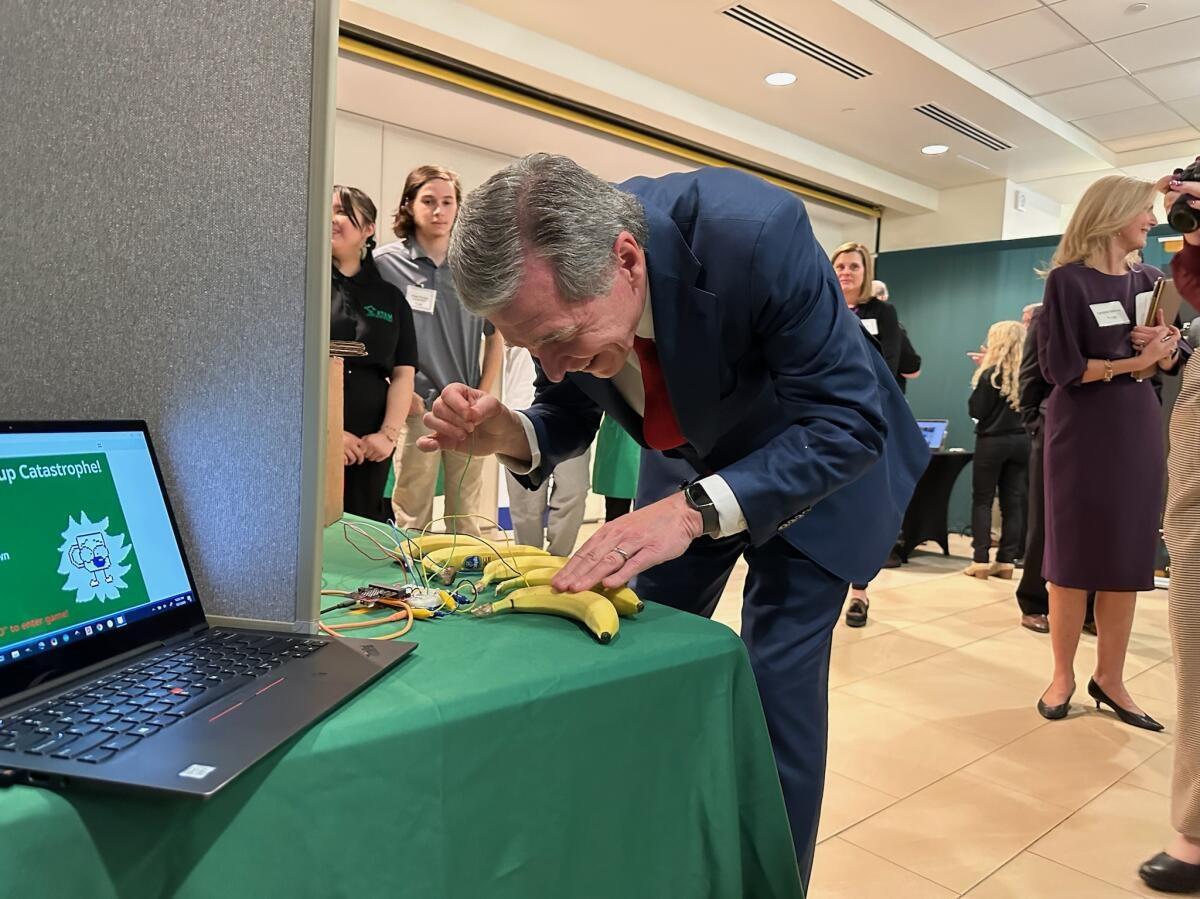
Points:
(1182, 217)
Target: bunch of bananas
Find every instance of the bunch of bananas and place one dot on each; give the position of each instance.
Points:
(596, 610)
(509, 568)
(450, 560)
(427, 543)
(624, 600)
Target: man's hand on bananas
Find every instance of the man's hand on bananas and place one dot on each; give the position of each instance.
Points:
(631, 544)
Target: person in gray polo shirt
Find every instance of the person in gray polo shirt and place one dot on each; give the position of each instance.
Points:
(448, 340)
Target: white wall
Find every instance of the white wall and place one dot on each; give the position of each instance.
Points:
(376, 157)
(970, 214)
(1038, 217)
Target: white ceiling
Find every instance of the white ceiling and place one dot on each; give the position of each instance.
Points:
(386, 95)
(725, 61)
(1078, 88)
(1127, 74)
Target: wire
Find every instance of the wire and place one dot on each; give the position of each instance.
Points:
(404, 611)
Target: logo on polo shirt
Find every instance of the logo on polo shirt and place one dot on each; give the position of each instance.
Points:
(372, 312)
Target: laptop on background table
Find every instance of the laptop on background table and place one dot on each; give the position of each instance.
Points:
(109, 672)
(934, 430)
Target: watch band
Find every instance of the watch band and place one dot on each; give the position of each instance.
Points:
(697, 498)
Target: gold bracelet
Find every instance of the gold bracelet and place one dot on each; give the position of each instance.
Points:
(1108, 370)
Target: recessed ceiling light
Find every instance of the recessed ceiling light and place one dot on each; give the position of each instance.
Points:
(780, 79)
(1137, 7)
(934, 149)
(849, 109)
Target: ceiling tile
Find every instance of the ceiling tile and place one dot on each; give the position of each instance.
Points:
(1071, 68)
(1154, 139)
(1129, 122)
(1157, 46)
(1188, 108)
(937, 17)
(1024, 36)
(1174, 82)
(1096, 99)
(1099, 20)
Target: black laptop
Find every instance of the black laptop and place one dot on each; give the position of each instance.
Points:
(109, 672)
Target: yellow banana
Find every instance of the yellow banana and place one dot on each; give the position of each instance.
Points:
(624, 600)
(511, 564)
(535, 577)
(427, 543)
(592, 610)
(445, 563)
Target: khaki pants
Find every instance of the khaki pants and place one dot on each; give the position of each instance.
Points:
(416, 482)
(564, 493)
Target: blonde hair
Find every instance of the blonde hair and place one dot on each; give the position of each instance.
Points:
(864, 292)
(1105, 208)
(1005, 342)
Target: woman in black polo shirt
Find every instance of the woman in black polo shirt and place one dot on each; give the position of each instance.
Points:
(378, 386)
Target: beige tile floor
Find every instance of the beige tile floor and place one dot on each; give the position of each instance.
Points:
(944, 781)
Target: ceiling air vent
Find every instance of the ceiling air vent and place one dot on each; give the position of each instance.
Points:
(963, 127)
(785, 35)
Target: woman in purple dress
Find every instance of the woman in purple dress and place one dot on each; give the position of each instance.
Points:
(1104, 456)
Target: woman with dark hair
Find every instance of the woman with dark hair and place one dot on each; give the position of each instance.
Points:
(854, 267)
(378, 387)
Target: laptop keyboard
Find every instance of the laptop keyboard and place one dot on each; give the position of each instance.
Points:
(94, 722)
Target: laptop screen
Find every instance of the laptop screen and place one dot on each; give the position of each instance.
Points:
(934, 431)
(87, 545)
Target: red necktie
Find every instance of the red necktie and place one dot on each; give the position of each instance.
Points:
(659, 425)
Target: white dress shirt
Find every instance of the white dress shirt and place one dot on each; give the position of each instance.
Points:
(628, 382)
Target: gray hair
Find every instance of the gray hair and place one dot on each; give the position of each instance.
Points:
(546, 205)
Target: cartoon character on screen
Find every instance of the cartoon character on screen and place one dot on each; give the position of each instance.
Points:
(93, 560)
(90, 553)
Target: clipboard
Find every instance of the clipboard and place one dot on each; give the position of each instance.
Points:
(1167, 299)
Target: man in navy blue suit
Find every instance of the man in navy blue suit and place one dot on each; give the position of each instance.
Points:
(699, 311)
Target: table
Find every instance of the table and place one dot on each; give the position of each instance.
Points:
(507, 757)
(928, 510)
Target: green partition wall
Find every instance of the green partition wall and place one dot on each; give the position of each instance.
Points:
(947, 298)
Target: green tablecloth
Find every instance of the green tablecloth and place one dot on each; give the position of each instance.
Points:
(507, 757)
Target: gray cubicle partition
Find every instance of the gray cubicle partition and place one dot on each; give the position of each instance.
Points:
(164, 254)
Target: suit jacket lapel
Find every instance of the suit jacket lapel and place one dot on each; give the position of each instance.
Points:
(686, 335)
(686, 331)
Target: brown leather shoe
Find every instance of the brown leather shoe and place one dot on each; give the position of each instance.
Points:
(1038, 623)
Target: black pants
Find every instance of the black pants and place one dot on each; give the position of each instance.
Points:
(1031, 592)
(1000, 462)
(365, 398)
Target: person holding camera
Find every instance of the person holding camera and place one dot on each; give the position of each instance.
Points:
(1177, 870)
(1104, 446)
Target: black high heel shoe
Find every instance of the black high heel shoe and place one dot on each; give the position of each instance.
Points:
(1131, 718)
(1168, 874)
(1054, 712)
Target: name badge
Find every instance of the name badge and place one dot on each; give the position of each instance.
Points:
(871, 325)
(1109, 315)
(421, 299)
